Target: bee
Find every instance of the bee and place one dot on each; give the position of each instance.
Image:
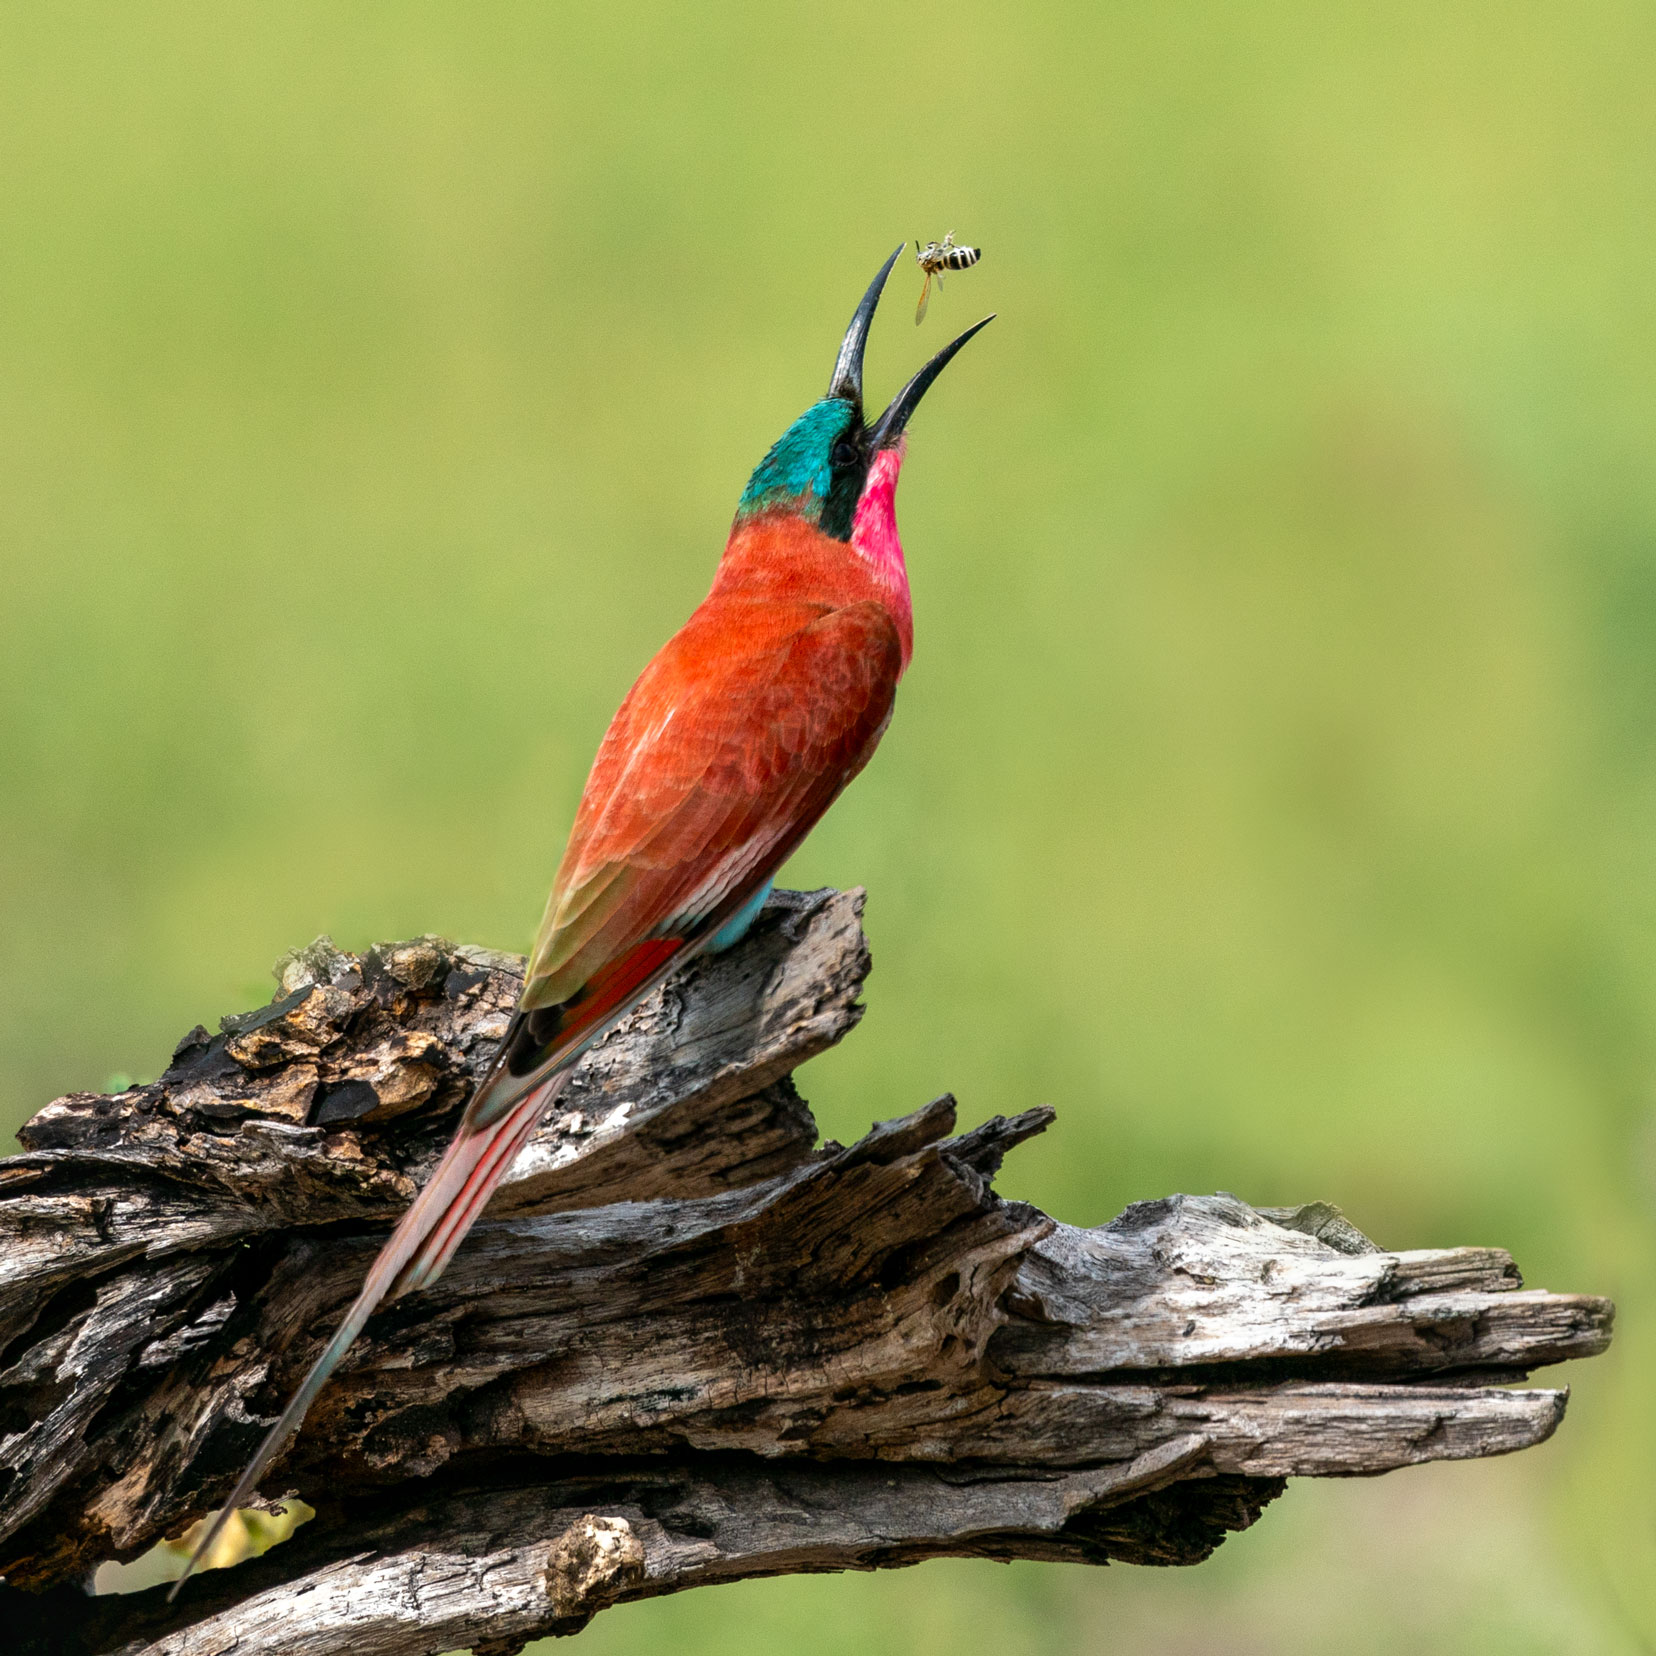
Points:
(936, 257)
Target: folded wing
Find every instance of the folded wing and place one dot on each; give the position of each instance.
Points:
(730, 747)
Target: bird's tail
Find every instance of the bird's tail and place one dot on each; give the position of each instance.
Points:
(413, 1257)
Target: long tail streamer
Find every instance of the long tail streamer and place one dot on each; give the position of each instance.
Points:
(414, 1257)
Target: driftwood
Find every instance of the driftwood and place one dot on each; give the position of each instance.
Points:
(687, 1345)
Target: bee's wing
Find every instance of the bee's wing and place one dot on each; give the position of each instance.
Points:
(925, 299)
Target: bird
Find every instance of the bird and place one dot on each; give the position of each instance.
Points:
(736, 738)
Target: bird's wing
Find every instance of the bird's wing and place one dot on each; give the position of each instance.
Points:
(734, 741)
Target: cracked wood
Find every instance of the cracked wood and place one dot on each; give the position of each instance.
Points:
(687, 1344)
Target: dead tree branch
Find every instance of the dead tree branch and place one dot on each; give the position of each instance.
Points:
(688, 1345)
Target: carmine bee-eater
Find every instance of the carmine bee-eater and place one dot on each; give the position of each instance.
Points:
(736, 738)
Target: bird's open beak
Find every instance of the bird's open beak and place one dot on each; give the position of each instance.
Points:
(848, 367)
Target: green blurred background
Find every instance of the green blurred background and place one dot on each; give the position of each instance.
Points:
(1275, 787)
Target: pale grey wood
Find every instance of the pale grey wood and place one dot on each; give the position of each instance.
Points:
(685, 1345)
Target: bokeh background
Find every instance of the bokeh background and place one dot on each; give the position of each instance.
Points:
(1275, 787)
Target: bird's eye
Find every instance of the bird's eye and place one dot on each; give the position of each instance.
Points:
(844, 452)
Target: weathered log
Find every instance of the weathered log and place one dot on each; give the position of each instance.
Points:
(687, 1344)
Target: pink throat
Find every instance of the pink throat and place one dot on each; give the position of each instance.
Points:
(874, 538)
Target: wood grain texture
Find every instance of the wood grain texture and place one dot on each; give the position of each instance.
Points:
(687, 1344)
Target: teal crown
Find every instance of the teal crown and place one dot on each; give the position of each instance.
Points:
(798, 473)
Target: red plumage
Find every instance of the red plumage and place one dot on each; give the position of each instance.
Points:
(733, 742)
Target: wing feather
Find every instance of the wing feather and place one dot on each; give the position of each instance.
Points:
(736, 738)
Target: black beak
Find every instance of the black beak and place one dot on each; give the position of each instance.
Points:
(847, 380)
(889, 427)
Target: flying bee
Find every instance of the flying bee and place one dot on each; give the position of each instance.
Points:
(936, 257)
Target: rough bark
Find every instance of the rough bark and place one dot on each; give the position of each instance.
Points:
(687, 1344)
